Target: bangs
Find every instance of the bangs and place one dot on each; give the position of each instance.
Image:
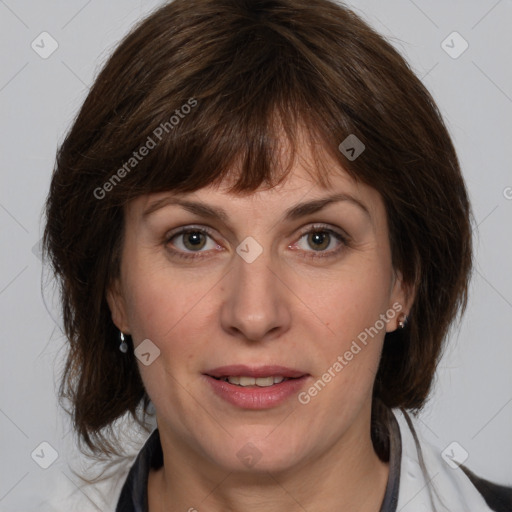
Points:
(243, 119)
(243, 149)
(247, 149)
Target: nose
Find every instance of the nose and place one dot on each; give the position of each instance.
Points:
(255, 306)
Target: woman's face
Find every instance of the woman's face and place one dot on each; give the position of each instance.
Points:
(280, 283)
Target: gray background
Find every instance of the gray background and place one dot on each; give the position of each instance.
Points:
(472, 399)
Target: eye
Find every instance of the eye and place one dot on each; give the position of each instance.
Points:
(191, 240)
(320, 238)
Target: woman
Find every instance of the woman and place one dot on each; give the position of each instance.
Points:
(261, 229)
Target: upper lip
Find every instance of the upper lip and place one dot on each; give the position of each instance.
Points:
(254, 371)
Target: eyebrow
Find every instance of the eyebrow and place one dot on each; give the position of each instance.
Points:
(214, 212)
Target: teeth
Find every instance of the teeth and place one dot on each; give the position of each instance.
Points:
(252, 381)
(246, 381)
(265, 381)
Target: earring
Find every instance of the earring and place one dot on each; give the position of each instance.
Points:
(123, 347)
(402, 320)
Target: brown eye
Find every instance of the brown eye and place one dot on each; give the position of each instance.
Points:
(188, 241)
(193, 240)
(318, 240)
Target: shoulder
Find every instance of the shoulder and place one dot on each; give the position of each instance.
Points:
(429, 481)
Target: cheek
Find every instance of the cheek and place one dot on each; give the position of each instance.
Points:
(351, 332)
(348, 348)
(172, 310)
(160, 298)
(166, 317)
(351, 300)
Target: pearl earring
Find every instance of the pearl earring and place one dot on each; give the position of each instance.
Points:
(123, 347)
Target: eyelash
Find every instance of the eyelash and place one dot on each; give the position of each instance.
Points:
(317, 228)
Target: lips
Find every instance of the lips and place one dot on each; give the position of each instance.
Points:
(261, 387)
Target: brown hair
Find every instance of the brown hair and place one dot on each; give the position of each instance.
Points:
(208, 86)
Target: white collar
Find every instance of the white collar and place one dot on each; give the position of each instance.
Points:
(441, 489)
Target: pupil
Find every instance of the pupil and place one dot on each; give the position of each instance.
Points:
(195, 238)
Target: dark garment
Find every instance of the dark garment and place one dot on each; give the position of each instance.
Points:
(134, 494)
(497, 497)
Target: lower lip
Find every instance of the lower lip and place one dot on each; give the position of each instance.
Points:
(257, 397)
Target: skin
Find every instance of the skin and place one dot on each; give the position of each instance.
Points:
(285, 308)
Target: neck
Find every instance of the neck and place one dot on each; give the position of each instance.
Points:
(348, 477)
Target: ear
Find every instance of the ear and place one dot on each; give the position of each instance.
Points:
(117, 305)
(401, 300)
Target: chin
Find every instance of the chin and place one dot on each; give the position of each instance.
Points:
(260, 454)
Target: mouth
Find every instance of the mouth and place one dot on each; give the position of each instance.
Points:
(263, 376)
(246, 381)
(255, 387)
